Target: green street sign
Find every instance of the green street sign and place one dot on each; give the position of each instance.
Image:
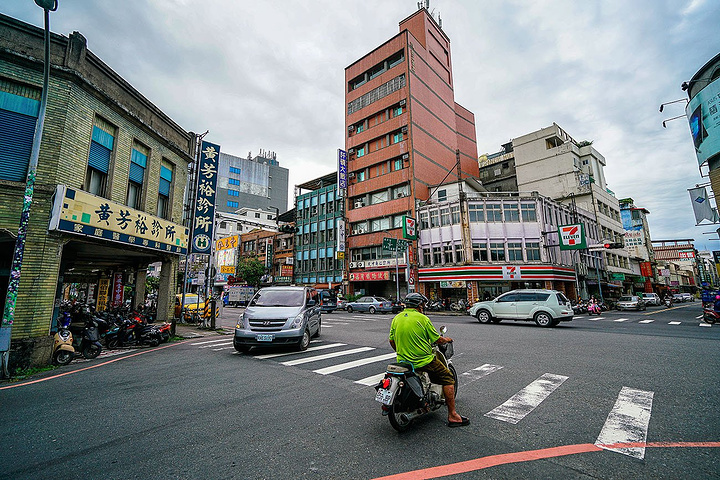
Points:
(394, 244)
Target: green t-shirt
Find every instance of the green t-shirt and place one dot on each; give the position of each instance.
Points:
(413, 334)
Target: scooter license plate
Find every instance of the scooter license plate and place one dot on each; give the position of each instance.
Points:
(264, 338)
(384, 396)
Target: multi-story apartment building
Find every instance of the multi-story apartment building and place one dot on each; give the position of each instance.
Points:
(109, 187)
(479, 244)
(405, 132)
(254, 182)
(552, 163)
(275, 250)
(318, 212)
(638, 245)
(677, 266)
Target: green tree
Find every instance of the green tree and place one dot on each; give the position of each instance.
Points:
(251, 270)
(152, 284)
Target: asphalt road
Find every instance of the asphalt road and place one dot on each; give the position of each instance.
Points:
(198, 409)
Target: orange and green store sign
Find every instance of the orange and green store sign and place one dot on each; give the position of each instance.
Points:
(472, 282)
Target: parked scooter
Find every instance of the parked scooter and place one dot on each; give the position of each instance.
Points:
(406, 395)
(63, 351)
(86, 335)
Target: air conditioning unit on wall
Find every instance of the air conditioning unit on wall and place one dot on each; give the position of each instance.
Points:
(351, 151)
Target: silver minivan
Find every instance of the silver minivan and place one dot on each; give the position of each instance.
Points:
(546, 307)
(279, 316)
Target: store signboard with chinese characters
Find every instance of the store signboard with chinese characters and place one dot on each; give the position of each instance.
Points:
(342, 173)
(369, 276)
(204, 214)
(227, 242)
(686, 254)
(81, 213)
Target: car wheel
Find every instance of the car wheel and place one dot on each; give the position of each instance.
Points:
(304, 341)
(371, 310)
(483, 316)
(543, 319)
(349, 309)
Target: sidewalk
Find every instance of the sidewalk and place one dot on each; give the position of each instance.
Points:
(187, 330)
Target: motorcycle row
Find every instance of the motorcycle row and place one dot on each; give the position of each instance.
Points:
(81, 331)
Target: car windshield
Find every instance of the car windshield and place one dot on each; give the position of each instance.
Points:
(189, 300)
(278, 298)
(626, 299)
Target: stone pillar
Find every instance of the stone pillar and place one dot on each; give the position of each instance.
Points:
(166, 289)
(140, 278)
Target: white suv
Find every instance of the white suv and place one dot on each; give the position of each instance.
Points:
(651, 298)
(546, 307)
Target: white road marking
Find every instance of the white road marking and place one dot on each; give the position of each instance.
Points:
(479, 372)
(224, 348)
(699, 317)
(334, 322)
(646, 321)
(622, 319)
(527, 399)
(627, 422)
(705, 325)
(300, 361)
(216, 345)
(353, 364)
(210, 341)
(369, 381)
(311, 349)
(674, 323)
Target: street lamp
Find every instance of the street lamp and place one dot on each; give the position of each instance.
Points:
(16, 268)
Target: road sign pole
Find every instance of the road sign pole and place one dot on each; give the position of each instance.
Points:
(397, 276)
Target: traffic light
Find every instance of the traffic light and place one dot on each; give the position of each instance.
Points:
(611, 245)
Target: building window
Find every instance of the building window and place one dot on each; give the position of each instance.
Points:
(101, 147)
(459, 254)
(396, 59)
(379, 197)
(434, 219)
(401, 191)
(494, 213)
(437, 256)
(397, 137)
(424, 220)
(164, 188)
(448, 253)
(442, 195)
(361, 176)
(511, 212)
(18, 115)
(426, 256)
(528, 212)
(233, 204)
(233, 193)
(136, 176)
(476, 212)
(444, 216)
(360, 127)
(497, 251)
(233, 181)
(397, 164)
(257, 215)
(379, 224)
(532, 249)
(455, 212)
(361, 151)
(235, 170)
(480, 253)
(515, 253)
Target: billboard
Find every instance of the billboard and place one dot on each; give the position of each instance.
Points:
(204, 214)
(572, 237)
(704, 120)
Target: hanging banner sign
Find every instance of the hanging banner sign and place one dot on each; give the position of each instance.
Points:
(117, 294)
(82, 213)
(204, 214)
(227, 242)
(340, 245)
(342, 173)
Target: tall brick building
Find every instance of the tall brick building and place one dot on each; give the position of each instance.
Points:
(109, 188)
(405, 132)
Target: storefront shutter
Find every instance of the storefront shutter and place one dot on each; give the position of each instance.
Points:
(16, 138)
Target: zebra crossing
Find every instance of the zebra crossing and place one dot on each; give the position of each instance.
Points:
(646, 321)
(627, 423)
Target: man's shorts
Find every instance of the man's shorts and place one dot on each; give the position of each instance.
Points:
(439, 373)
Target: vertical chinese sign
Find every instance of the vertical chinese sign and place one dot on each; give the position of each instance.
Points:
(204, 215)
(117, 293)
(341, 173)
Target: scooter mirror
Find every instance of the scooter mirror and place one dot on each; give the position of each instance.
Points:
(443, 329)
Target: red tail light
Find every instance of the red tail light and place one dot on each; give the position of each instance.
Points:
(386, 383)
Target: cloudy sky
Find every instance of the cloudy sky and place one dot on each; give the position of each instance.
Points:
(270, 75)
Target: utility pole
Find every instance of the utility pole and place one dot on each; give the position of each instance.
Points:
(16, 268)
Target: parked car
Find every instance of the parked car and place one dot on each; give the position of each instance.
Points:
(370, 304)
(630, 302)
(341, 302)
(279, 316)
(546, 307)
(677, 297)
(687, 297)
(651, 298)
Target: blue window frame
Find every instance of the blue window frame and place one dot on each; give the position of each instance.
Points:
(233, 204)
(233, 181)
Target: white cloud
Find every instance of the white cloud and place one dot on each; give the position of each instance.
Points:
(270, 75)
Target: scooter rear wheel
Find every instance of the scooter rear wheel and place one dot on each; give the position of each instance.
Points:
(396, 418)
(709, 318)
(91, 351)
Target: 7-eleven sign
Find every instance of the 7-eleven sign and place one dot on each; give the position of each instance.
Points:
(572, 237)
(511, 272)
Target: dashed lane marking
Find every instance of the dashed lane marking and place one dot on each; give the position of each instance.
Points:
(209, 341)
(674, 323)
(371, 380)
(705, 325)
(647, 321)
(621, 319)
(627, 422)
(216, 344)
(527, 399)
(316, 358)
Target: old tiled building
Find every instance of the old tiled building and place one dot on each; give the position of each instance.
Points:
(109, 191)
